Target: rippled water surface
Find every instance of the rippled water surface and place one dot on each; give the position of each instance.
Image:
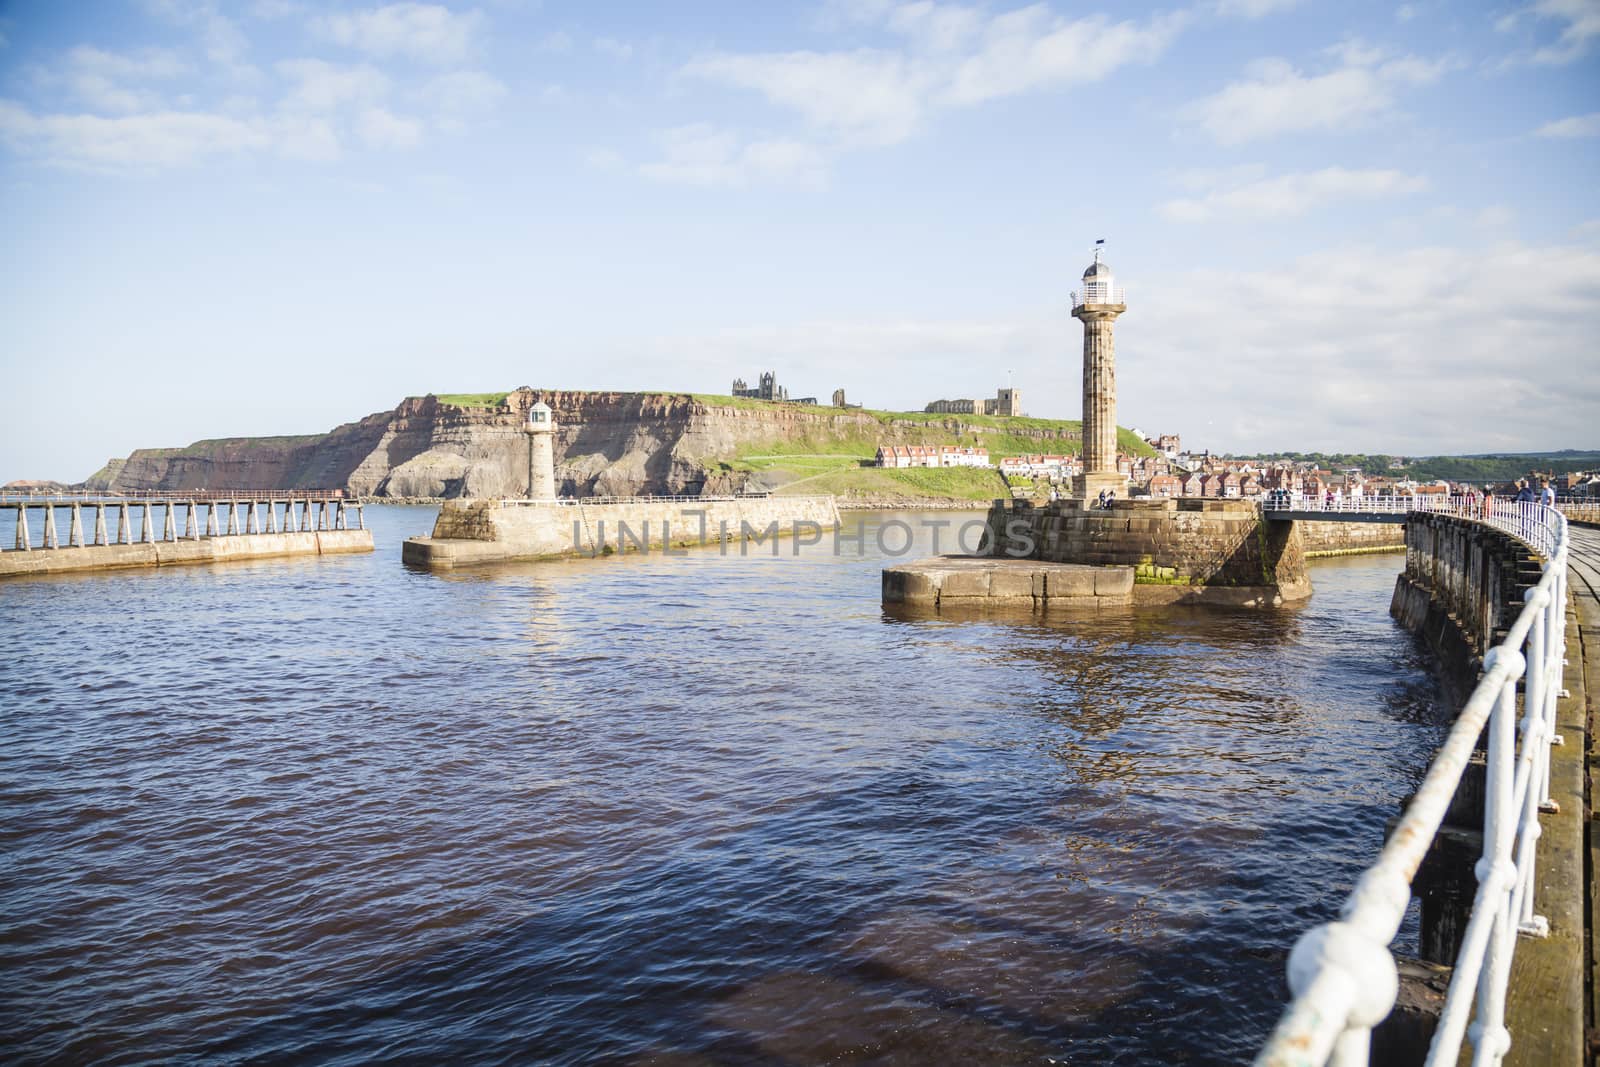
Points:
(699, 809)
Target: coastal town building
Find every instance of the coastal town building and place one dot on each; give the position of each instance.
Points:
(1038, 465)
(901, 456)
(1168, 444)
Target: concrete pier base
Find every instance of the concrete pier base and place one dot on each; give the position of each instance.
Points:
(174, 553)
(969, 582)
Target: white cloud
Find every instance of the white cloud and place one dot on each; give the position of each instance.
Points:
(1277, 98)
(1292, 194)
(701, 154)
(1573, 126)
(866, 96)
(114, 81)
(223, 43)
(462, 92)
(429, 33)
(159, 139)
(1378, 347)
(953, 57)
(605, 159)
(1495, 217)
(1031, 49)
(320, 86)
(276, 9)
(380, 128)
(308, 137)
(1253, 9)
(614, 48)
(1581, 19)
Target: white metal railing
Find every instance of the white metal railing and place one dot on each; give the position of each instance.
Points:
(1521, 519)
(1098, 293)
(1341, 974)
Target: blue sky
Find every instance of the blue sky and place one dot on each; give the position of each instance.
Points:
(1354, 226)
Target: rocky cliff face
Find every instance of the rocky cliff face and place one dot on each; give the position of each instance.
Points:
(607, 444)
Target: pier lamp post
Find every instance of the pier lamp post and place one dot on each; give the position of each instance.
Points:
(541, 429)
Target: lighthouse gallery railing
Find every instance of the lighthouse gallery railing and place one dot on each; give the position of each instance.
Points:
(1341, 973)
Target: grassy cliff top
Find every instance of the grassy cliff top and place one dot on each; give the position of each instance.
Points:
(201, 448)
(473, 400)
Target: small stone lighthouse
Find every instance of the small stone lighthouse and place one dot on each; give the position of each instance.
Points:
(541, 431)
(1097, 305)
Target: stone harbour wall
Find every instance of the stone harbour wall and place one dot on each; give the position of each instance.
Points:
(486, 531)
(1462, 588)
(1211, 543)
(1351, 538)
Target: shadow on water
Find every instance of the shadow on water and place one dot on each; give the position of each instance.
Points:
(989, 968)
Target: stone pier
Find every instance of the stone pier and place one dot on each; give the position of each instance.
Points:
(496, 531)
(1462, 590)
(1181, 551)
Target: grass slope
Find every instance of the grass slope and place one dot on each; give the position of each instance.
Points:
(946, 483)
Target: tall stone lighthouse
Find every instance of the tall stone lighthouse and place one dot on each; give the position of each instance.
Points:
(541, 431)
(1097, 306)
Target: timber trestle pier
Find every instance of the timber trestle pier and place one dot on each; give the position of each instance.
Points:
(84, 531)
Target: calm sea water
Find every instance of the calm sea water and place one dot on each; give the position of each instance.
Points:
(699, 809)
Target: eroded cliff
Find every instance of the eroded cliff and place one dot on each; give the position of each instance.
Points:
(607, 444)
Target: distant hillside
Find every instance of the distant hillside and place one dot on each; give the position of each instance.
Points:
(1485, 467)
(456, 445)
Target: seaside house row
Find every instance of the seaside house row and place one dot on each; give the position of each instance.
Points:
(1041, 466)
(931, 456)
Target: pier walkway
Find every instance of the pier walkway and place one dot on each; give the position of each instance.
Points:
(193, 527)
(1584, 675)
(1499, 838)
